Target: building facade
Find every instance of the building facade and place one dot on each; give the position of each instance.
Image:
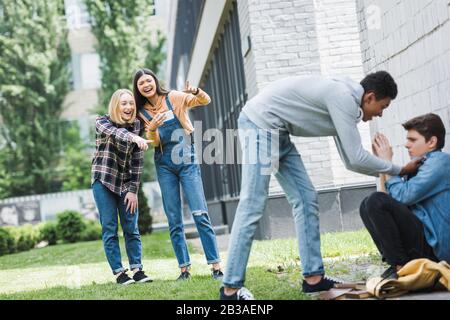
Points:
(85, 62)
(233, 49)
(411, 39)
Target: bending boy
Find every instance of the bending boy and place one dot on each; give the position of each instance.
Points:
(306, 106)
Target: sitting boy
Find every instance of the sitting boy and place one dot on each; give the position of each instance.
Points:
(412, 219)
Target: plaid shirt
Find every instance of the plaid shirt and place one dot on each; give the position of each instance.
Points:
(117, 162)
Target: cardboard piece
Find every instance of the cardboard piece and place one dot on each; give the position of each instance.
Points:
(334, 294)
(360, 294)
(354, 286)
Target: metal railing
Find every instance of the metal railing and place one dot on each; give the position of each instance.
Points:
(225, 83)
(188, 18)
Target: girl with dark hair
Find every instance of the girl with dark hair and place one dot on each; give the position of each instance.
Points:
(167, 125)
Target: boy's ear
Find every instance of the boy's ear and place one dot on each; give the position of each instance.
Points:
(433, 142)
(371, 96)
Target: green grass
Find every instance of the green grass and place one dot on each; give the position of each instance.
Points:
(80, 271)
(157, 245)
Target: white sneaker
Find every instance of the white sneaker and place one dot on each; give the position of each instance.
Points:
(241, 294)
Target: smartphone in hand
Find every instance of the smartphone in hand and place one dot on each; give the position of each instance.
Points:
(169, 115)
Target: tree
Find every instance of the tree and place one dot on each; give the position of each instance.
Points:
(34, 79)
(155, 53)
(123, 32)
(145, 217)
(75, 166)
(124, 45)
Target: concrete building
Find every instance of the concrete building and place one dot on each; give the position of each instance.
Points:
(85, 64)
(85, 67)
(233, 49)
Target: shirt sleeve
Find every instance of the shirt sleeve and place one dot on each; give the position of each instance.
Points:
(191, 101)
(348, 140)
(137, 165)
(104, 126)
(425, 184)
(153, 136)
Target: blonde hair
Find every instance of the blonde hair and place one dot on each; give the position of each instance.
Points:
(114, 107)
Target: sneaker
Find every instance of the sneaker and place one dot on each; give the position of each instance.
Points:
(323, 285)
(184, 276)
(141, 277)
(124, 279)
(241, 294)
(390, 273)
(217, 274)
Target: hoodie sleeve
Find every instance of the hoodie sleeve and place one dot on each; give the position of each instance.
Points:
(348, 139)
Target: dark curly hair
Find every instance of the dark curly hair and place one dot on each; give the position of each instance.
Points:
(382, 84)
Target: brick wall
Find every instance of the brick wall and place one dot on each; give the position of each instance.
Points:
(410, 39)
(340, 54)
(297, 38)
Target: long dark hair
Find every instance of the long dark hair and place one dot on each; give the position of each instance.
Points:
(138, 97)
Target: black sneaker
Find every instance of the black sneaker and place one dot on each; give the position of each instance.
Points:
(124, 279)
(184, 276)
(217, 274)
(390, 273)
(141, 277)
(324, 284)
(241, 294)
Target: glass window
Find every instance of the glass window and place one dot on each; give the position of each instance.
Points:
(77, 15)
(86, 72)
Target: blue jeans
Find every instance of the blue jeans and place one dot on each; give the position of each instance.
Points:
(109, 204)
(171, 178)
(300, 192)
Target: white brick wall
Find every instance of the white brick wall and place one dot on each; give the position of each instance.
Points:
(283, 39)
(411, 40)
(340, 54)
(303, 37)
(249, 60)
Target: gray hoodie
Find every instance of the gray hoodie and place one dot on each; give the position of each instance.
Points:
(317, 106)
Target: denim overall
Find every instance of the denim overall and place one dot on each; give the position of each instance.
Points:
(176, 163)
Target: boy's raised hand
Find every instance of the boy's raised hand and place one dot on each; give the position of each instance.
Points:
(381, 147)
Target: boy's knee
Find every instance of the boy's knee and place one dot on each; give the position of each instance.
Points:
(374, 201)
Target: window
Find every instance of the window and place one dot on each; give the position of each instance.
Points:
(77, 15)
(225, 83)
(86, 71)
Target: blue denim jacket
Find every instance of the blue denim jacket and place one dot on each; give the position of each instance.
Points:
(428, 196)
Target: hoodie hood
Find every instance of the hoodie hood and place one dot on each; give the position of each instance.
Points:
(356, 89)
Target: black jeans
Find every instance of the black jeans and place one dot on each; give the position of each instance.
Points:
(396, 231)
